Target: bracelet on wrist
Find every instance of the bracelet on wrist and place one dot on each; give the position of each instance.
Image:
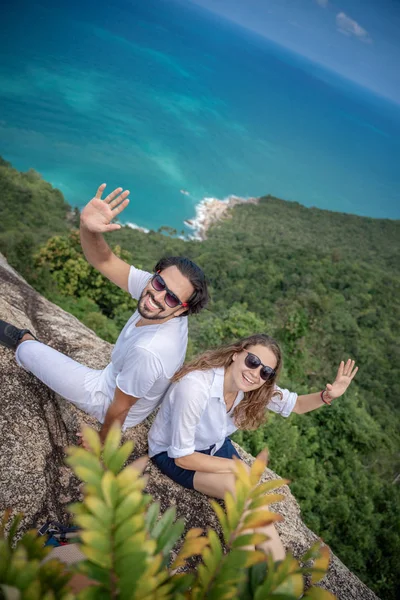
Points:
(324, 399)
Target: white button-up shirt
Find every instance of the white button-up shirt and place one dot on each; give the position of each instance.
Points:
(143, 360)
(193, 414)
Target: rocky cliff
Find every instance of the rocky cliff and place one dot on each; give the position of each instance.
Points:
(36, 426)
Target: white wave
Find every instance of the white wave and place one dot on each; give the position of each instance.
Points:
(134, 226)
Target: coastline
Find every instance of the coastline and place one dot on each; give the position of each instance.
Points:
(211, 210)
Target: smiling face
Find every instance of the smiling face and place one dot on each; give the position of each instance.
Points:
(246, 379)
(152, 305)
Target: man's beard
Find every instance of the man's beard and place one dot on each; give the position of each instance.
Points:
(147, 314)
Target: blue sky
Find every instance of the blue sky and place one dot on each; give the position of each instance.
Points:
(359, 39)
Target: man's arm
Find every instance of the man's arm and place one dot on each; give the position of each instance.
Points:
(96, 219)
(345, 375)
(117, 412)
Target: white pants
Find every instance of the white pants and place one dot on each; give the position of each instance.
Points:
(68, 378)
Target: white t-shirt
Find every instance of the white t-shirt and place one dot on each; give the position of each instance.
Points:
(193, 414)
(144, 358)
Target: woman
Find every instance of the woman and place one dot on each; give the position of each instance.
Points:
(215, 394)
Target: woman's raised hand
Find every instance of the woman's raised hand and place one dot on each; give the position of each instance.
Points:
(345, 375)
(98, 214)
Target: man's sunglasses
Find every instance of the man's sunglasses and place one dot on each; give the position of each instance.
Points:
(170, 298)
(252, 362)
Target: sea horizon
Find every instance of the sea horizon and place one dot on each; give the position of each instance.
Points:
(178, 106)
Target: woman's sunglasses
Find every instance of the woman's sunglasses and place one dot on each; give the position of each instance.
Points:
(170, 298)
(252, 362)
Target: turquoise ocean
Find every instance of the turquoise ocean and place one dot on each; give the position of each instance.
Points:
(177, 105)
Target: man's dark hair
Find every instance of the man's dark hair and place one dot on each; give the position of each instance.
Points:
(196, 276)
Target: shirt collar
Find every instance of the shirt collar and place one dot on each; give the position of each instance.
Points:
(217, 386)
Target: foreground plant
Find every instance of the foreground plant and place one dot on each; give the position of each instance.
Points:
(23, 576)
(127, 544)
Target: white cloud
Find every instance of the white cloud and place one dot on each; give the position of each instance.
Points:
(350, 27)
(323, 3)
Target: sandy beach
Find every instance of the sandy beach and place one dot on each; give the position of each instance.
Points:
(210, 210)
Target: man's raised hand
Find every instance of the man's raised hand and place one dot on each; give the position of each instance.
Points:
(98, 214)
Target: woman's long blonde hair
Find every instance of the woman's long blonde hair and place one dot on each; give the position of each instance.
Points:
(250, 413)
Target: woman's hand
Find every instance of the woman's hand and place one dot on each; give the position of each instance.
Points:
(345, 375)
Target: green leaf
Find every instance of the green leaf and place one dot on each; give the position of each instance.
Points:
(193, 544)
(33, 591)
(241, 497)
(257, 574)
(5, 555)
(132, 571)
(265, 500)
(168, 538)
(13, 529)
(111, 444)
(118, 459)
(97, 540)
(260, 518)
(219, 511)
(90, 523)
(180, 583)
(28, 574)
(312, 553)
(232, 513)
(92, 438)
(87, 476)
(78, 508)
(277, 597)
(130, 560)
(128, 529)
(110, 489)
(126, 509)
(79, 457)
(258, 466)
(152, 516)
(321, 564)
(235, 561)
(249, 539)
(48, 596)
(318, 593)
(131, 477)
(268, 486)
(164, 522)
(293, 585)
(96, 556)
(215, 545)
(100, 509)
(92, 592)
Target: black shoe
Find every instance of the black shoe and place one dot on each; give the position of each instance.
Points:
(10, 336)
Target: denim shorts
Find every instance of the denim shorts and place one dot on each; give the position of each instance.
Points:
(184, 476)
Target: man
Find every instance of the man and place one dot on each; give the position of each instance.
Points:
(150, 348)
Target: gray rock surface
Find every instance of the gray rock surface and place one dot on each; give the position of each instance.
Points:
(36, 426)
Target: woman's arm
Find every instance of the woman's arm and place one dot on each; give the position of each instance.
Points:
(205, 463)
(308, 402)
(345, 375)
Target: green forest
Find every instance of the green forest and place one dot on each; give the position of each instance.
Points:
(325, 284)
